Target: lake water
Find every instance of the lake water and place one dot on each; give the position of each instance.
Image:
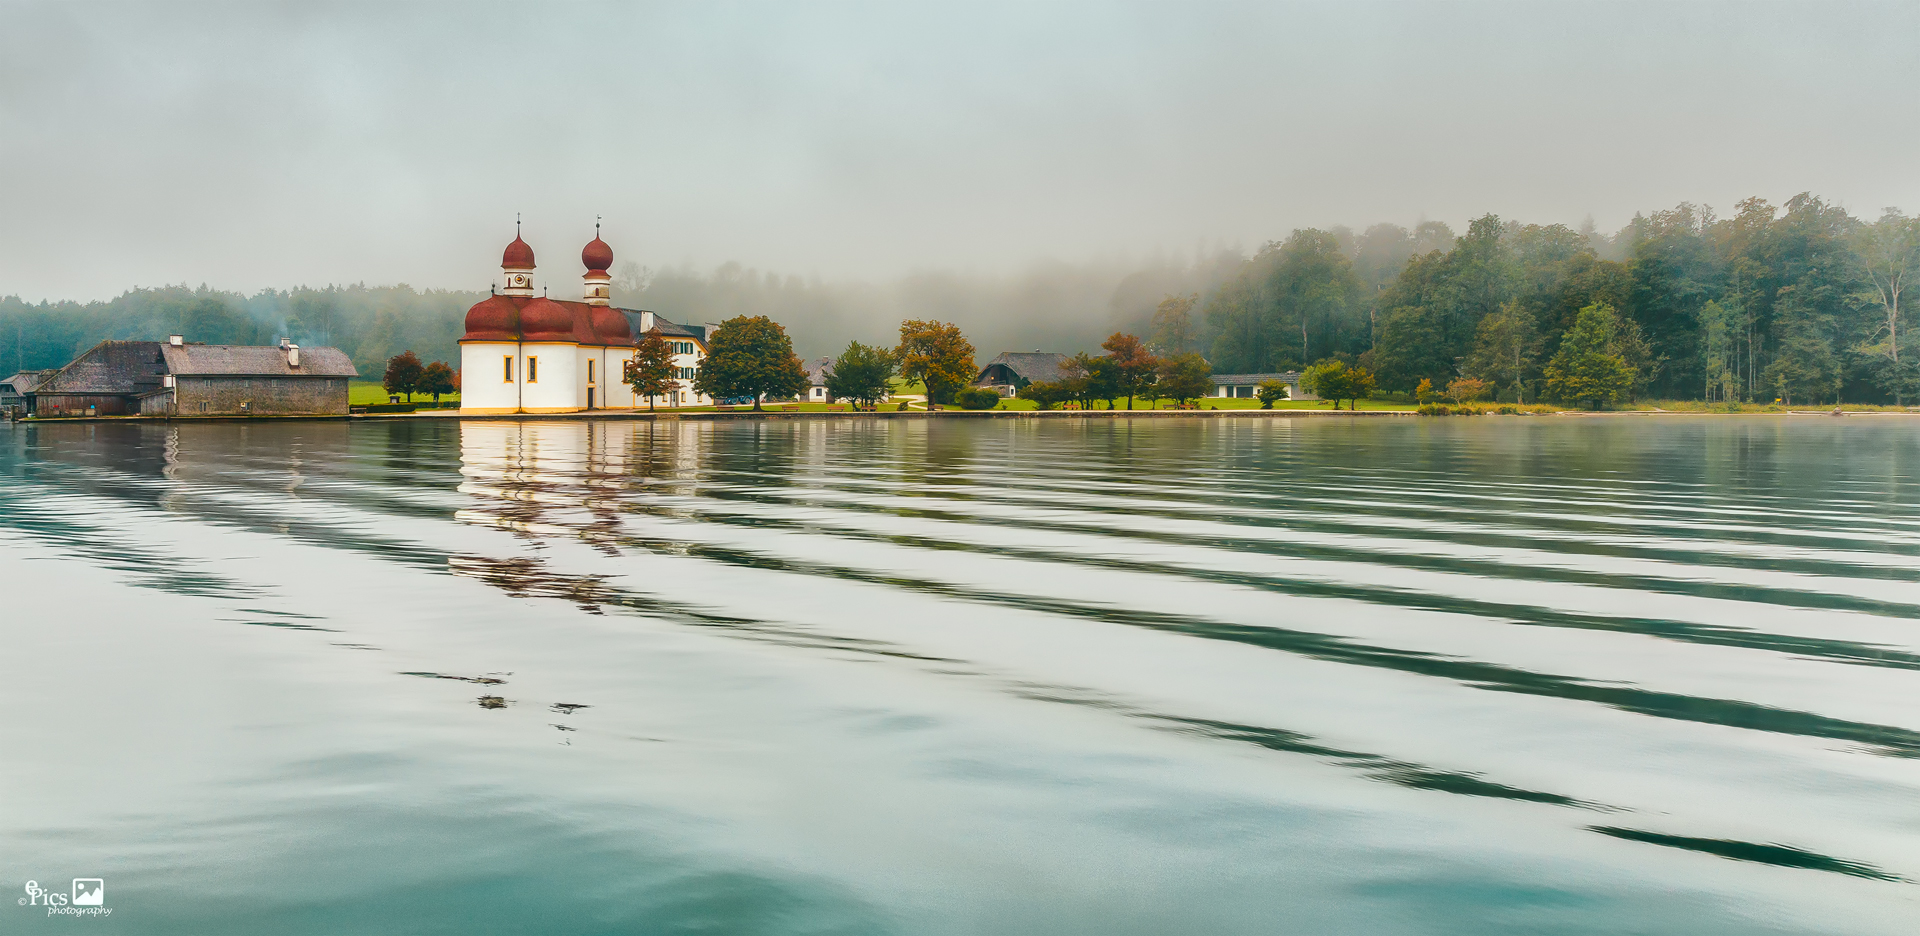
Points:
(1368, 676)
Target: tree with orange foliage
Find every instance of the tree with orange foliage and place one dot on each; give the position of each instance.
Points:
(1134, 366)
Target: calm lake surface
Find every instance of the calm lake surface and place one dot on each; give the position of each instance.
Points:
(1369, 676)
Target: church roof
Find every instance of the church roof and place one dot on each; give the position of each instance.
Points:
(517, 256)
(537, 318)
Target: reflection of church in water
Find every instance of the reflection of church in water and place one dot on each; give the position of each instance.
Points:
(526, 353)
(570, 478)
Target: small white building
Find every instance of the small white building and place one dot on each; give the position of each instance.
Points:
(1243, 386)
(526, 353)
(818, 370)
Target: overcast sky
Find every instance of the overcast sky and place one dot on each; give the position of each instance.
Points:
(249, 145)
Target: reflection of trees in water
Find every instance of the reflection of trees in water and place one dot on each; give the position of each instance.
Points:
(104, 457)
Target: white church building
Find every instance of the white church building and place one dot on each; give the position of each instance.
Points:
(526, 353)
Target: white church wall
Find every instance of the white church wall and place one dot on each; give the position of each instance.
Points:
(483, 384)
(552, 377)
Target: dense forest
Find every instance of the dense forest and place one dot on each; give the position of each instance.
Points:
(1801, 303)
(370, 323)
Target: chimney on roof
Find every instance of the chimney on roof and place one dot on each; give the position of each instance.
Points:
(293, 352)
(176, 340)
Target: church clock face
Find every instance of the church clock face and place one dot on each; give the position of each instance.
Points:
(520, 279)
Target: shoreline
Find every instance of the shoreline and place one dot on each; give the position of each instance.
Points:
(656, 416)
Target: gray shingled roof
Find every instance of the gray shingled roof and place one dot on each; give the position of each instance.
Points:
(255, 361)
(1041, 366)
(818, 370)
(26, 380)
(109, 368)
(1240, 380)
(667, 329)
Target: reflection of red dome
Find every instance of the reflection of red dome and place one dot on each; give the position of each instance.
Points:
(611, 326)
(543, 319)
(598, 256)
(519, 256)
(494, 318)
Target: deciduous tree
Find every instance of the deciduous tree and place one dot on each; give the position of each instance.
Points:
(1889, 251)
(1134, 367)
(1183, 377)
(1335, 381)
(861, 374)
(1044, 394)
(1718, 328)
(750, 356)
(937, 355)
(437, 379)
(1292, 302)
(650, 372)
(1270, 392)
(1173, 331)
(1504, 348)
(403, 374)
(1466, 389)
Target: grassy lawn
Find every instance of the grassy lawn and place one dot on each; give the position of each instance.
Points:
(1210, 403)
(370, 392)
(1697, 406)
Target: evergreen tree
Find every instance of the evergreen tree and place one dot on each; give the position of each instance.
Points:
(1584, 369)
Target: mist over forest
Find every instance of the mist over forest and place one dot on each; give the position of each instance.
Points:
(1799, 300)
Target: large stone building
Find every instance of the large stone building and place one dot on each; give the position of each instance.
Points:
(174, 378)
(526, 353)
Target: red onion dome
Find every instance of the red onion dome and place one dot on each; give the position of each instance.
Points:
(494, 318)
(519, 256)
(598, 256)
(543, 319)
(611, 326)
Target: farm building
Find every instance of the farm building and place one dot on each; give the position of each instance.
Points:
(1012, 370)
(174, 378)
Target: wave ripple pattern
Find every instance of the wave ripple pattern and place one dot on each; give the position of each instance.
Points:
(1527, 675)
